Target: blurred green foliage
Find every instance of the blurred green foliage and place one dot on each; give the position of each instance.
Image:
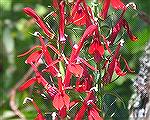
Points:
(15, 39)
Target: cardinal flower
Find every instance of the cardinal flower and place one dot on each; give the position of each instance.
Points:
(32, 13)
(78, 16)
(116, 29)
(96, 49)
(81, 14)
(61, 100)
(36, 55)
(76, 50)
(116, 4)
(115, 65)
(88, 104)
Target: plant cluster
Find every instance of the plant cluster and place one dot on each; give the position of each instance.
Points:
(73, 74)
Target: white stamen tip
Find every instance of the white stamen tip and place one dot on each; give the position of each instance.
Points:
(121, 42)
(75, 46)
(36, 34)
(132, 4)
(27, 99)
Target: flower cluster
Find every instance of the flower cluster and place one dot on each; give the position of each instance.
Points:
(74, 72)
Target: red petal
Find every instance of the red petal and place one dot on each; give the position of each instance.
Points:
(127, 66)
(48, 58)
(54, 49)
(29, 51)
(62, 22)
(62, 113)
(105, 64)
(33, 14)
(89, 31)
(27, 84)
(91, 48)
(118, 70)
(95, 114)
(58, 102)
(73, 103)
(76, 69)
(39, 117)
(117, 4)
(105, 8)
(34, 57)
(81, 112)
(75, 7)
(90, 116)
(126, 26)
(30, 12)
(66, 100)
(100, 49)
(87, 64)
(106, 44)
(79, 17)
(115, 31)
(55, 3)
(53, 63)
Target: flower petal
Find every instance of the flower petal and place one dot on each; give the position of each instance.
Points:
(91, 48)
(66, 100)
(127, 66)
(76, 69)
(39, 117)
(126, 26)
(27, 84)
(34, 47)
(95, 114)
(117, 4)
(87, 64)
(105, 8)
(58, 102)
(100, 49)
(118, 69)
(62, 22)
(79, 17)
(33, 14)
(81, 112)
(34, 57)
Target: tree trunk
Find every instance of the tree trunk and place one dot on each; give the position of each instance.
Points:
(139, 104)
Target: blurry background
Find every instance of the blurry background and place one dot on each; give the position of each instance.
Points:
(15, 39)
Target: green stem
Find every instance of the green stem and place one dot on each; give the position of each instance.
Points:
(100, 87)
(95, 8)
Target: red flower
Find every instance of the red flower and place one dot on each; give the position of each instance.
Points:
(76, 50)
(81, 15)
(85, 83)
(96, 49)
(117, 28)
(78, 16)
(108, 76)
(33, 14)
(36, 55)
(61, 100)
(115, 66)
(62, 22)
(116, 4)
(55, 3)
(92, 111)
(93, 114)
